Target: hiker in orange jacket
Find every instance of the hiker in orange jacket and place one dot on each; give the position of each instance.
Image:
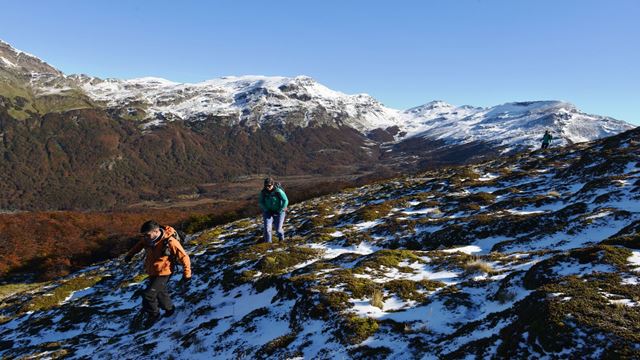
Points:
(159, 243)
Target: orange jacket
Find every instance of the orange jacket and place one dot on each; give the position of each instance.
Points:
(158, 264)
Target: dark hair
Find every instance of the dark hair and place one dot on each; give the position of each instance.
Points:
(268, 181)
(149, 226)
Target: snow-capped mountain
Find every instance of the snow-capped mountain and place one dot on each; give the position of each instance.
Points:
(22, 62)
(301, 101)
(251, 100)
(526, 257)
(511, 125)
(103, 143)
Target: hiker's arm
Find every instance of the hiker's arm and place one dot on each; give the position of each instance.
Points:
(263, 207)
(135, 249)
(285, 200)
(181, 255)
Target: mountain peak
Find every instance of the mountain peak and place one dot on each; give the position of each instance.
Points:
(430, 109)
(437, 104)
(18, 61)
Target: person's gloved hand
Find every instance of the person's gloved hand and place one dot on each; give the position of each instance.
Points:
(183, 284)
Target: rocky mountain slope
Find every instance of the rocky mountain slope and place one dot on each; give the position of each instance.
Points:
(301, 101)
(512, 126)
(106, 143)
(531, 256)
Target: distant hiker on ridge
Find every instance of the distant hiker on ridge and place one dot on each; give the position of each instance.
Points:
(160, 244)
(273, 203)
(546, 140)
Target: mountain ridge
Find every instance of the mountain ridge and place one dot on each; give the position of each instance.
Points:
(105, 144)
(157, 100)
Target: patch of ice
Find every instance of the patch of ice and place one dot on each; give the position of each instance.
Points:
(598, 215)
(333, 251)
(420, 211)
(575, 268)
(487, 177)
(470, 249)
(367, 225)
(521, 212)
(625, 302)
(634, 259)
(78, 294)
(421, 272)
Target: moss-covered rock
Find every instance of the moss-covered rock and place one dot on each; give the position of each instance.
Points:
(60, 293)
(354, 330)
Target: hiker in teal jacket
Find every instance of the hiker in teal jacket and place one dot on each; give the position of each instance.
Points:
(546, 140)
(273, 203)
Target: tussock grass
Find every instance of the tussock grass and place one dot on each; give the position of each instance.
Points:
(11, 289)
(355, 330)
(479, 265)
(53, 299)
(554, 193)
(377, 299)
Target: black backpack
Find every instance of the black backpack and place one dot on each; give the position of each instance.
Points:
(180, 236)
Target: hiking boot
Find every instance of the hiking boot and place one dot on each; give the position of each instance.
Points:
(169, 312)
(150, 320)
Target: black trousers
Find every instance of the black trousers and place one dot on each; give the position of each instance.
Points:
(156, 292)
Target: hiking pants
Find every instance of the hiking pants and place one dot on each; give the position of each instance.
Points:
(545, 145)
(156, 292)
(269, 218)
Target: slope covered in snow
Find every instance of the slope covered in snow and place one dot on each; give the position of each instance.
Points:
(20, 61)
(531, 256)
(301, 101)
(512, 125)
(245, 99)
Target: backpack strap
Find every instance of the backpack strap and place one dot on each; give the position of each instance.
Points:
(279, 193)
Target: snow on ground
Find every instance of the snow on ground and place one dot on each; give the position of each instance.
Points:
(575, 268)
(421, 211)
(245, 319)
(333, 251)
(470, 249)
(635, 260)
(487, 177)
(365, 225)
(521, 212)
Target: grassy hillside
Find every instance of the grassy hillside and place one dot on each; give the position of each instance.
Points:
(531, 256)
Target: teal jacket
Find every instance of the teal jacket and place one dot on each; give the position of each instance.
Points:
(275, 201)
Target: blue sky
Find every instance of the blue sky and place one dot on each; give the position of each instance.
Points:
(404, 53)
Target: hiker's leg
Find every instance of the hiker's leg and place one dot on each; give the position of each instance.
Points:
(279, 222)
(150, 297)
(267, 221)
(163, 294)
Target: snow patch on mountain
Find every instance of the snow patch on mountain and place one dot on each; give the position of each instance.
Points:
(256, 101)
(259, 99)
(517, 124)
(14, 59)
